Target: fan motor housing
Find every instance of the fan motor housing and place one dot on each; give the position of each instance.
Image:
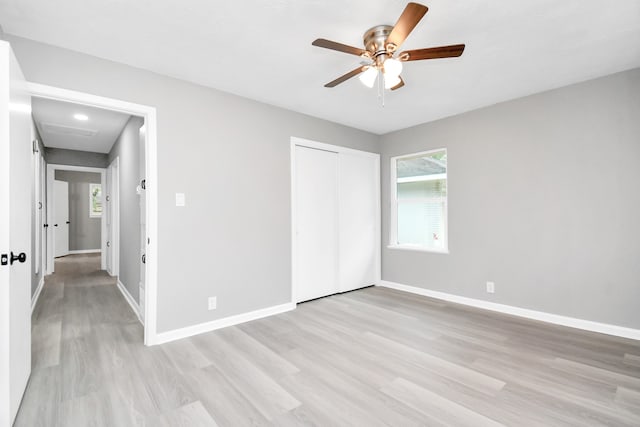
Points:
(375, 40)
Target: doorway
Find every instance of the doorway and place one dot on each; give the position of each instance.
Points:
(147, 310)
(61, 218)
(74, 224)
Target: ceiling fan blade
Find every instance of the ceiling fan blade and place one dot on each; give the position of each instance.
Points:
(432, 53)
(328, 44)
(346, 77)
(410, 17)
(399, 85)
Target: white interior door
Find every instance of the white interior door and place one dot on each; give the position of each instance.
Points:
(358, 220)
(143, 223)
(61, 217)
(107, 212)
(114, 216)
(316, 198)
(15, 235)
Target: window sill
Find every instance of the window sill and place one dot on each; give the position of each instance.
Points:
(418, 249)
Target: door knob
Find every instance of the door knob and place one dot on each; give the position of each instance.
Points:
(55, 225)
(21, 257)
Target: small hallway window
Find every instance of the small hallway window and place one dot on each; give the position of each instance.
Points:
(95, 200)
(419, 201)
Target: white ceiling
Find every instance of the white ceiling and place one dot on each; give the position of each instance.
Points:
(59, 129)
(262, 49)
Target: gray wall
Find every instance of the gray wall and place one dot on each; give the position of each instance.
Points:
(61, 156)
(543, 200)
(127, 149)
(230, 155)
(84, 232)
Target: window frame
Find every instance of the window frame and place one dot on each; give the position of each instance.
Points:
(93, 214)
(393, 222)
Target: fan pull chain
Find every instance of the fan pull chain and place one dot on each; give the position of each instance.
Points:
(383, 84)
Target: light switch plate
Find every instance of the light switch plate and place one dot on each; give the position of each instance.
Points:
(180, 200)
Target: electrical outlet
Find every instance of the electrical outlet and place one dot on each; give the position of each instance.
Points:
(491, 287)
(213, 303)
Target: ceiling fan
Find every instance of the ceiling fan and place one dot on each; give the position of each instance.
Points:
(380, 45)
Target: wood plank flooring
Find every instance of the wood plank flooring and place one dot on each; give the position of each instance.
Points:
(372, 357)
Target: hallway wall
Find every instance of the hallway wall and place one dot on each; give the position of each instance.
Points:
(61, 156)
(127, 149)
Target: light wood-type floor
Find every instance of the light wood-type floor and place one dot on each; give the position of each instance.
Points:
(366, 358)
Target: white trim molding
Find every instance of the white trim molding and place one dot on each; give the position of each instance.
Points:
(85, 251)
(36, 295)
(132, 302)
(151, 163)
(51, 170)
(201, 328)
(556, 319)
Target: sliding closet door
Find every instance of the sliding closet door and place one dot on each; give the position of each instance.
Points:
(358, 220)
(316, 233)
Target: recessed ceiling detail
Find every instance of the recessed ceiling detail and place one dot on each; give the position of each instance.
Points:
(51, 128)
(60, 129)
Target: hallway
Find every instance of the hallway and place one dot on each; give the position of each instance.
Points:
(371, 357)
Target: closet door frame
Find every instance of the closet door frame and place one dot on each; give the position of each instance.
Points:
(296, 141)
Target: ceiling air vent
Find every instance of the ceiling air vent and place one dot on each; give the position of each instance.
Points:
(67, 130)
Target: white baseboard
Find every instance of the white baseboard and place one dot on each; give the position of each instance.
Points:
(127, 296)
(587, 325)
(36, 295)
(85, 251)
(201, 328)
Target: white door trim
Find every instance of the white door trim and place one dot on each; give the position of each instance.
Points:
(51, 173)
(114, 205)
(150, 120)
(296, 141)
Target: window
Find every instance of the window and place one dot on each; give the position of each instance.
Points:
(419, 201)
(95, 200)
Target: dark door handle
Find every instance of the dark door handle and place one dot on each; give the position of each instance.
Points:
(21, 257)
(108, 244)
(144, 258)
(68, 222)
(55, 225)
(46, 226)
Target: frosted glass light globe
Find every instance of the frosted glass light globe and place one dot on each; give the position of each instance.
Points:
(368, 78)
(392, 67)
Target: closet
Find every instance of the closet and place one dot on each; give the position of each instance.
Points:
(336, 219)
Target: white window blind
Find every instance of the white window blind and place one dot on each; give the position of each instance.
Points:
(420, 201)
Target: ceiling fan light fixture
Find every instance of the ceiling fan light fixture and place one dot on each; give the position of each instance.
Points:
(381, 42)
(368, 78)
(391, 81)
(392, 68)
